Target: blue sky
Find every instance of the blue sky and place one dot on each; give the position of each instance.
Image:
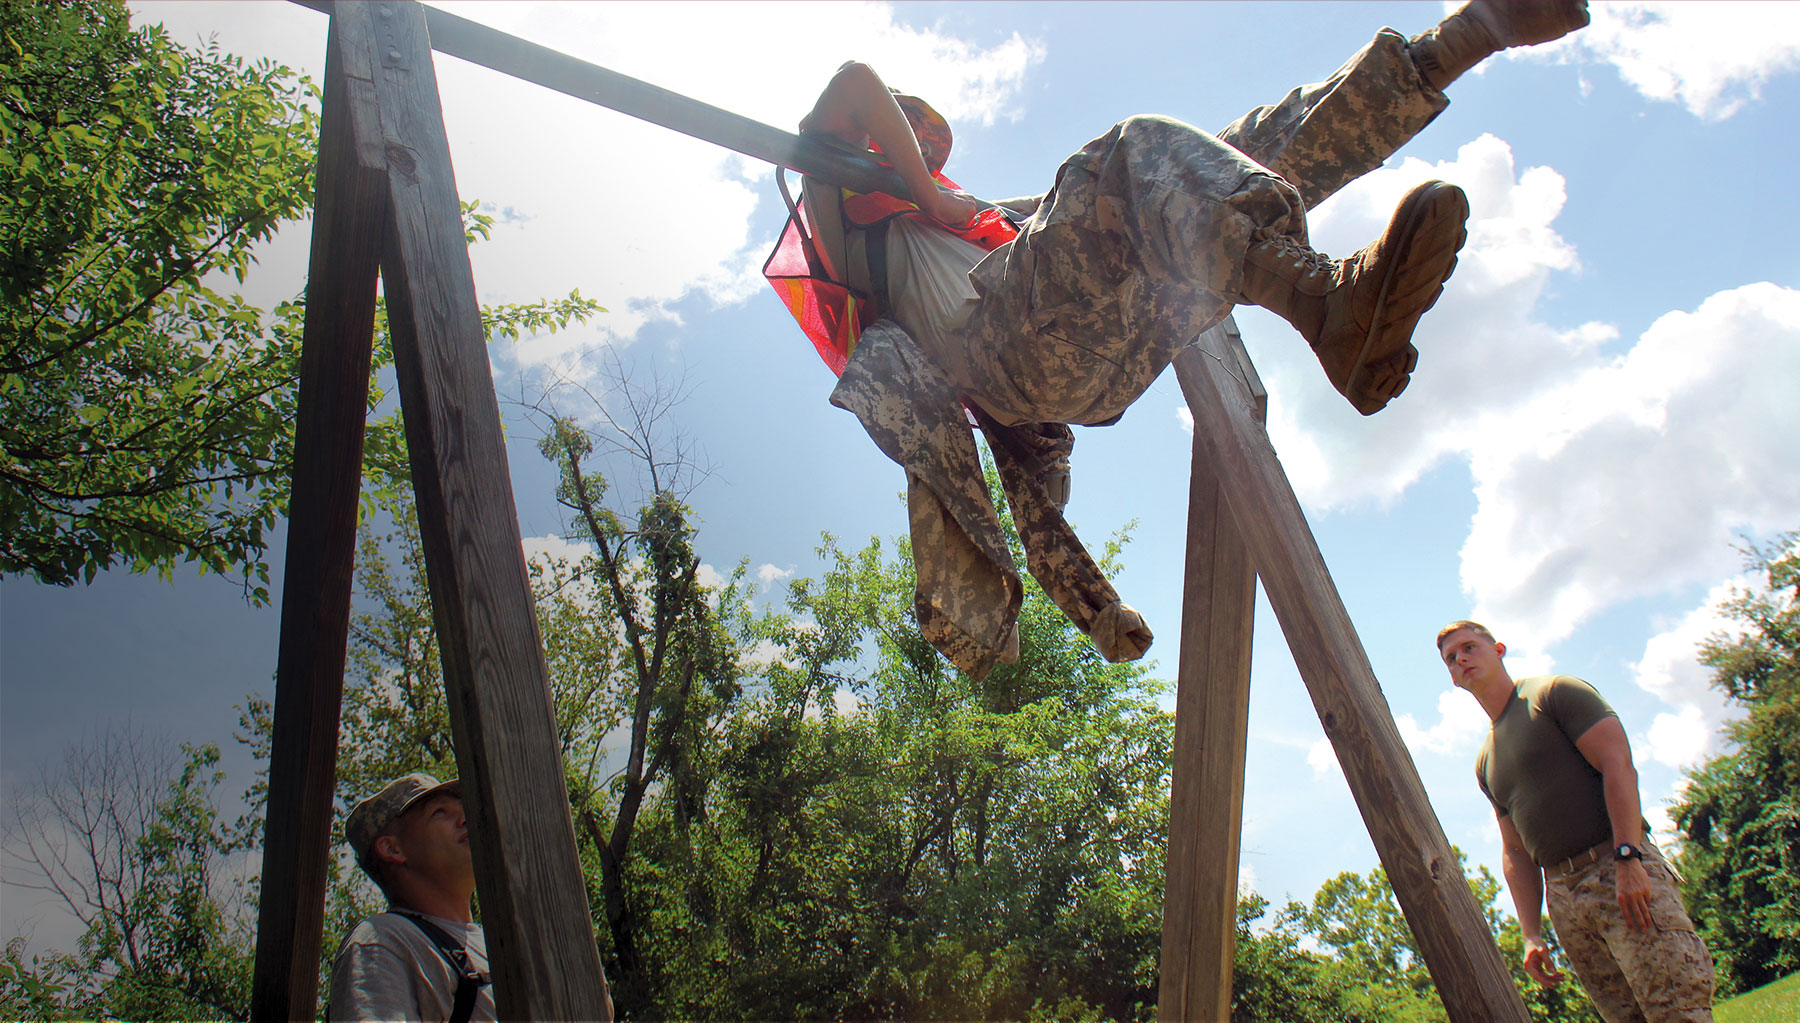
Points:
(1605, 402)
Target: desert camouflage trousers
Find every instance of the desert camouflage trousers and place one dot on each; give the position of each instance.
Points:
(1664, 975)
(1137, 249)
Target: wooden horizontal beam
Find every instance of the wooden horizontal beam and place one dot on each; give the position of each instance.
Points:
(552, 69)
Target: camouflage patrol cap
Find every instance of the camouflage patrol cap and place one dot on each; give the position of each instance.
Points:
(929, 127)
(375, 813)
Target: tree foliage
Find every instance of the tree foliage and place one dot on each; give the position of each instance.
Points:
(1740, 813)
(1375, 972)
(142, 407)
(146, 408)
(891, 839)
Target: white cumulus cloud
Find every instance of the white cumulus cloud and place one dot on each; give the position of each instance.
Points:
(555, 548)
(1712, 58)
(1484, 353)
(1323, 759)
(1632, 476)
(1670, 669)
(1460, 726)
(1677, 740)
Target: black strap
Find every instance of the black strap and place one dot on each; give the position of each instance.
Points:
(469, 980)
(875, 256)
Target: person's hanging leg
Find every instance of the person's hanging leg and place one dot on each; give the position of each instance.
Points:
(1359, 313)
(1322, 136)
(1485, 27)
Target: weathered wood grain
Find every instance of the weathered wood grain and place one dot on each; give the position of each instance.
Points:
(348, 234)
(540, 936)
(1212, 713)
(1452, 934)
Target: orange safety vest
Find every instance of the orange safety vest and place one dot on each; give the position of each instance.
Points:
(831, 312)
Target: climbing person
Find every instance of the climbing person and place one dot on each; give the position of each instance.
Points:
(1557, 768)
(424, 958)
(1040, 312)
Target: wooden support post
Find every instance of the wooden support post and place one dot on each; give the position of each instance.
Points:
(1450, 928)
(540, 936)
(387, 198)
(1212, 715)
(348, 231)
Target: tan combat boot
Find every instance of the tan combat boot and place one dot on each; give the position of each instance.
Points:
(1485, 27)
(1358, 313)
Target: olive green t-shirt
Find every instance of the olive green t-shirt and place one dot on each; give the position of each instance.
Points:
(1530, 769)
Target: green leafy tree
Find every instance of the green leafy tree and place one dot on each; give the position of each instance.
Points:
(1377, 968)
(146, 410)
(640, 628)
(1375, 971)
(1273, 978)
(889, 838)
(1740, 813)
(142, 408)
(43, 985)
(128, 835)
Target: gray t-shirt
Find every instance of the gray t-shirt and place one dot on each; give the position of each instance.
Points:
(388, 969)
(928, 283)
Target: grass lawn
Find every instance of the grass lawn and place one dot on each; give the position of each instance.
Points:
(1772, 1003)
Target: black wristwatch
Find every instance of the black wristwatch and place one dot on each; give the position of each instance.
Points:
(1627, 851)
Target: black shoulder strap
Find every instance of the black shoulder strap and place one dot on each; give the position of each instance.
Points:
(875, 255)
(469, 980)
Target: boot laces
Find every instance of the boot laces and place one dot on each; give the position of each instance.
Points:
(1304, 257)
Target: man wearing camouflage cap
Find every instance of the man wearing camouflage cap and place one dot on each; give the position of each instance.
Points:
(425, 958)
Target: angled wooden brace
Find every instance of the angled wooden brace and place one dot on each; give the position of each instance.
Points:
(1236, 471)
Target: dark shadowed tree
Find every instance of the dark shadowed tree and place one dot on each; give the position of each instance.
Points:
(127, 834)
(1740, 813)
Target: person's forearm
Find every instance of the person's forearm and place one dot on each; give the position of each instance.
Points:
(1525, 881)
(858, 107)
(1622, 807)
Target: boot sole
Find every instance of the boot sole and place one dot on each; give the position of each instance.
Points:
(1384, 365)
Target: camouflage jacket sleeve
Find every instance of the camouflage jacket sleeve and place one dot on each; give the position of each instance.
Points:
(1023, 205)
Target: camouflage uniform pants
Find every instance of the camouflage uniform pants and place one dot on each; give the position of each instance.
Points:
(1664, 975)
(1140, 244)
(1137, 249)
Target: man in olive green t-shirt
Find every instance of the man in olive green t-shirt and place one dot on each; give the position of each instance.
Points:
(1557, 768)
